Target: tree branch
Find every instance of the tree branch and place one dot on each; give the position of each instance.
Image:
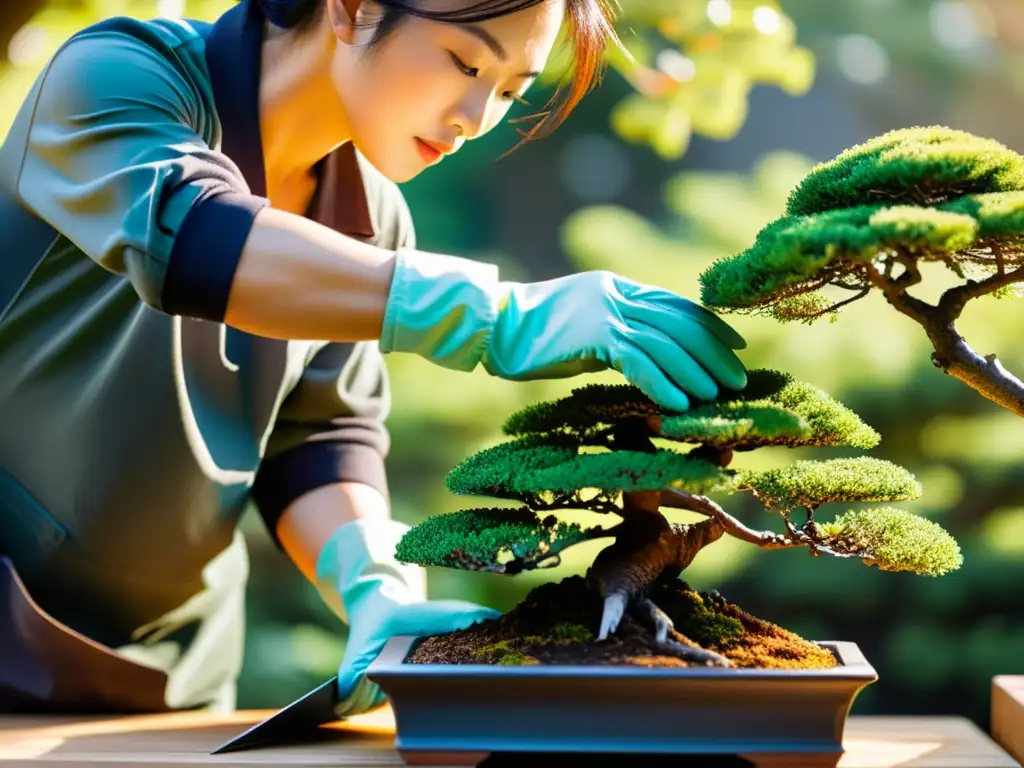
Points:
(897, 296)
(764, 539)
(911, 270)
(705, 506)
(840, 304)
(560, 501)
(997, 253)
(952, 354)
(985, 375)
(953, 301)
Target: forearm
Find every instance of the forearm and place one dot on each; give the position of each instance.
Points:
(297, 279)
(309, 521)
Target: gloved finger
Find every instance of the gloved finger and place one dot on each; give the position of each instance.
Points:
(642, 372)
(714, 356)
(667, 304)
(674, 361)
(364, 697)
(360, 651)
(436, 617)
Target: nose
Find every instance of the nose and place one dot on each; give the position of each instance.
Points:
(473, 115)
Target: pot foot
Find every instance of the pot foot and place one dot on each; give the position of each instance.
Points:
(793, 760)
(437, 757)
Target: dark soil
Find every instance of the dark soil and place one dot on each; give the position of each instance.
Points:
(557, 623)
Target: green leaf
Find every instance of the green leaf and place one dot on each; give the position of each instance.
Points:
(894, 540)
(810, 484)
(497, 471)
(921, 165)
(805, 308)
(616, 471)
(497, 540)
(736, 424)
(1000, 215)
(772, 409)
(832, 423)
(583, 409)
(795, 255)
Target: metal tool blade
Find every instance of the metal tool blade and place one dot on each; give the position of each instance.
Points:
(296, 722)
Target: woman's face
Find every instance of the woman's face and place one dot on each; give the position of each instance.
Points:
(428, 87)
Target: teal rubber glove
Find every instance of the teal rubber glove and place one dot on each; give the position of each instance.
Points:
(359, 578)
(458, 314)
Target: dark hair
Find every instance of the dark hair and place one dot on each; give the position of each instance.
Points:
(591, 28)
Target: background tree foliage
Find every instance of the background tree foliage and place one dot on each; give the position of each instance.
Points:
(660, 172)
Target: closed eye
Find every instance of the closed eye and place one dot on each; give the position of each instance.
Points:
(467, 70)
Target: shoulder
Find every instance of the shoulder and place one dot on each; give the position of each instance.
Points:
(123, 58)
(389, 208)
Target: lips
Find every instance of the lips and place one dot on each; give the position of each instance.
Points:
(432, 151)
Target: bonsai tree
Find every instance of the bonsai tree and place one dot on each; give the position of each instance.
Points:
(870, 219)
(610, 449)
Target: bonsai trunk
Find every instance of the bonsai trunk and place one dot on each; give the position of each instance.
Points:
(649, 549)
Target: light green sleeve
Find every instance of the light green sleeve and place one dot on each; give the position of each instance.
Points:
(114, 148)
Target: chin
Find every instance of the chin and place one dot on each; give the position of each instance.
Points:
(396, 166)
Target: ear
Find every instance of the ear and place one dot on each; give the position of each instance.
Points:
(343, 15)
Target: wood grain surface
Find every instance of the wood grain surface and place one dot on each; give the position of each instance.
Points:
(183, 740)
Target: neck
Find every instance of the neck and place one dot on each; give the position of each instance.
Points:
(301, 117)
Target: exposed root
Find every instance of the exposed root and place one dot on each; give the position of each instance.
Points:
(614, 609)
(646, 611)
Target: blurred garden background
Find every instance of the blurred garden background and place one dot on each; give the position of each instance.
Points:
(661, 171)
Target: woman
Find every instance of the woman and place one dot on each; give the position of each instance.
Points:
(184, 207)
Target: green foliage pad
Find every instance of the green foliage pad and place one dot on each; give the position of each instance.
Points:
(773, 409)
(919, 166)
(489, 539)
(895, 540)
(598, 440)
(918, 194)
(810, 484)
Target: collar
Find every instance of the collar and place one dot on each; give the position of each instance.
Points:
(233, 57)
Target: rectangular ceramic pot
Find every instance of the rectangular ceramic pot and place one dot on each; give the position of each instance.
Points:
(449, 714)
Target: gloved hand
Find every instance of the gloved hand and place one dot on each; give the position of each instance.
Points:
(457, 314)
(359, 578)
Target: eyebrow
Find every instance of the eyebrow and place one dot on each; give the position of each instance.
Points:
(494, 44)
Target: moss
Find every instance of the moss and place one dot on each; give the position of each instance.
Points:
(813, 483)
(569, 632)
(504, 654)
(553, 624)
(698, 620)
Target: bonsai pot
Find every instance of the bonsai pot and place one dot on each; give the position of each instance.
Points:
(459, 714)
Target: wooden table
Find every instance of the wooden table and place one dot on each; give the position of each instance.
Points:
(186, 739)
(1008, 713)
